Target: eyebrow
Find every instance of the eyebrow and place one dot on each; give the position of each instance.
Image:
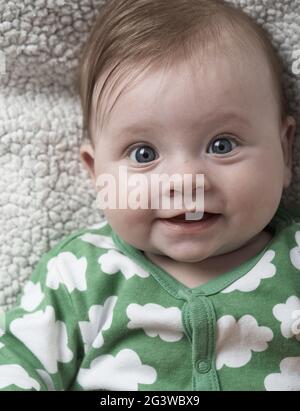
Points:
(224, 118)
(134, 128)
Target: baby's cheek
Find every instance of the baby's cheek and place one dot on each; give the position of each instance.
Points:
(130, 224)
(249, 199)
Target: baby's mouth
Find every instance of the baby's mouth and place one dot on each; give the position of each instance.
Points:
(182, 219)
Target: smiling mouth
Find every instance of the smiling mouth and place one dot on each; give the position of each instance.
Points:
(181, 218)
(178, 225)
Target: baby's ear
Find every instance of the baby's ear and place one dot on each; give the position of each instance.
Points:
(87, 156)
(287, 139)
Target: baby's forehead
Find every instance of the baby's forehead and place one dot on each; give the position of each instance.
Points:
(232, 63)
(215, 59)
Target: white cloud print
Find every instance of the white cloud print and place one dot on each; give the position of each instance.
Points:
(237, 339)
(100, 318)
(156, 320)
(13, 374)
(46, 338)
(289, 377)
(67, 269)
(121, 373)
(289, 316)
(295, 252)
(98, 240)
(98, 225)
(264, 268)
(114, 261)
(32, 296)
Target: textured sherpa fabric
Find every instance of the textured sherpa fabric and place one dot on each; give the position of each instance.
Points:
(45, 193)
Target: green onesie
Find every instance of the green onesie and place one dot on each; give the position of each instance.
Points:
(98, 315)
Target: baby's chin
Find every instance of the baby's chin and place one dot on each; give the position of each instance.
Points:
(177, 257)
(187, 260)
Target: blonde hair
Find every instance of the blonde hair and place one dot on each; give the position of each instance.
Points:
(142, 34)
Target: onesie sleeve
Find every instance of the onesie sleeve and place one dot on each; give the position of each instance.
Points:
(40, 342)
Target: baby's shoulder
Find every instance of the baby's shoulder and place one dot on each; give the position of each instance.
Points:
(87, 241)
(83, 267)
(78, 254)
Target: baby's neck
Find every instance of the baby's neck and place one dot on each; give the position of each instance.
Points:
(196, 274)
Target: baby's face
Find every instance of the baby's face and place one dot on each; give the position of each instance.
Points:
(220, 120)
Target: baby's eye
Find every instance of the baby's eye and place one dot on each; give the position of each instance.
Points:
(143, 154)
(222, 145)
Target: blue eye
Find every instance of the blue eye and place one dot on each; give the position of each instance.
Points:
(222, 146)
(143, 154)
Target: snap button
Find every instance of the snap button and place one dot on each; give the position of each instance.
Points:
(203, 366)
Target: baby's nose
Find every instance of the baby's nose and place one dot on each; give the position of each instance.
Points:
(188, 180)
(182, 183)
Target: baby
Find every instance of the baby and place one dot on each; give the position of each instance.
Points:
(148, 299)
